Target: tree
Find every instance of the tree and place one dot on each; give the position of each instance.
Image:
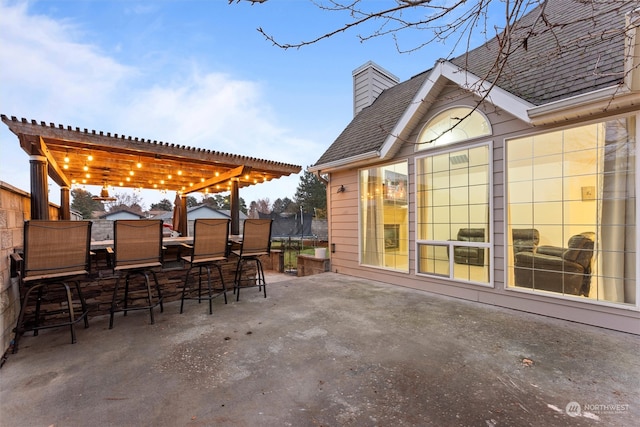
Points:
(285, 205)
(311, 193)
(162, 205)
(458, 26)
(192, 201)
(83, 203)
(218, 201)
(259, 206)
(130, 201)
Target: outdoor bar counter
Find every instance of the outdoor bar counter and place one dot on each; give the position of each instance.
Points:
(97, 288)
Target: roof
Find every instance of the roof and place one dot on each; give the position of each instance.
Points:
(369, 129)
(119, 160)
(578, 49)
(121, 211)
(221, 212)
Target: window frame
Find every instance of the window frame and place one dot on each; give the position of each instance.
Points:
(489, 245)
(436, 144)
(507, 223)
(361, 262)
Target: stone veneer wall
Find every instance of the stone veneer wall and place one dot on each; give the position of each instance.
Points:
(15, 208)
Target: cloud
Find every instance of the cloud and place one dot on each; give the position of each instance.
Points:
(48, 73)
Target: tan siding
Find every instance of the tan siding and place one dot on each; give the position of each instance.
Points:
(344, 234)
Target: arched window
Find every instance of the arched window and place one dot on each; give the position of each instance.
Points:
(453, 125)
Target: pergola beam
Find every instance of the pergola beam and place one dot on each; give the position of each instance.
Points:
(223, 177)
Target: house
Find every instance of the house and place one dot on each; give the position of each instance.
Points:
(520, 194)
(206, 211)
(122, 214)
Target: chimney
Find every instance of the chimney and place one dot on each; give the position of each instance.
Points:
(369, 80)
(632, 50)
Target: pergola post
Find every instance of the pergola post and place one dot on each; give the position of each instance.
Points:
(235, 207)
(65, 209)
(39, 187)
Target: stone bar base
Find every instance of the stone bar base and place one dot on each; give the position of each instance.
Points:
(309, 265)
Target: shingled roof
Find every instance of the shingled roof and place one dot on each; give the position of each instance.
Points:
(577, 48)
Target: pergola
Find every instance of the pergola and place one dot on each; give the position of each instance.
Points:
(71, 156)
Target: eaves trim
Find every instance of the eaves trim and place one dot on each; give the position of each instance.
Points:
(592, 103)
(342, 163)
(467, 81)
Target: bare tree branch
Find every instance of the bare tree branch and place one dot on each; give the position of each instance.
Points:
(456, 22)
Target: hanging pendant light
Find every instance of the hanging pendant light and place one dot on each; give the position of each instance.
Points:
(104, 195)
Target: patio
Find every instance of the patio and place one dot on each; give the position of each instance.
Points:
(328, 350)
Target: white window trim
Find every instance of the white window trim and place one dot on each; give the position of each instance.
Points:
(489, 245)
(555, 296)
(379, 267)
(442, 110)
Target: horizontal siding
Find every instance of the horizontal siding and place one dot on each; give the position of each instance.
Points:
(344, 232)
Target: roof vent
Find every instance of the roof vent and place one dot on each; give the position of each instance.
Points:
(369, 80)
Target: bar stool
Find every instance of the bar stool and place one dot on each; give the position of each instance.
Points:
(137, 252)
(210, 248)
(56, 253)
(256, 242)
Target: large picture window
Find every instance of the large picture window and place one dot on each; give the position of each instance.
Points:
(453, 214)
(572, 212)
(384, 217)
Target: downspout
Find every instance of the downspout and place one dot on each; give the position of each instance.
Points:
(321, 178)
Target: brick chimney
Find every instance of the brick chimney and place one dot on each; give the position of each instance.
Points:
(369, 80)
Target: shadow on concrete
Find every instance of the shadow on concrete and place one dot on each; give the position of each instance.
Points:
(326, 350)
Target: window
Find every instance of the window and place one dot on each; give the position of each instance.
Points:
(453, 125)
(384, 217)
(453, 214)
(571, 225)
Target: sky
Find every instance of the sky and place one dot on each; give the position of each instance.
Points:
(189, 72)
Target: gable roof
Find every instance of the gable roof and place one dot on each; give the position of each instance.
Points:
(221, 212)
(367, 131)
(121, 211)
(577, 51)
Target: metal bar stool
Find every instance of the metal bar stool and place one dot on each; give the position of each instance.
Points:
(56, 253)
(210, 248)
(137, 252)
(256, 242)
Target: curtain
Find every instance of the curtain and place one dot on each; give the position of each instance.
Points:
(371, 193)
(618, 227)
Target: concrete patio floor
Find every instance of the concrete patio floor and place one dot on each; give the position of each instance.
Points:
(325, 350)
